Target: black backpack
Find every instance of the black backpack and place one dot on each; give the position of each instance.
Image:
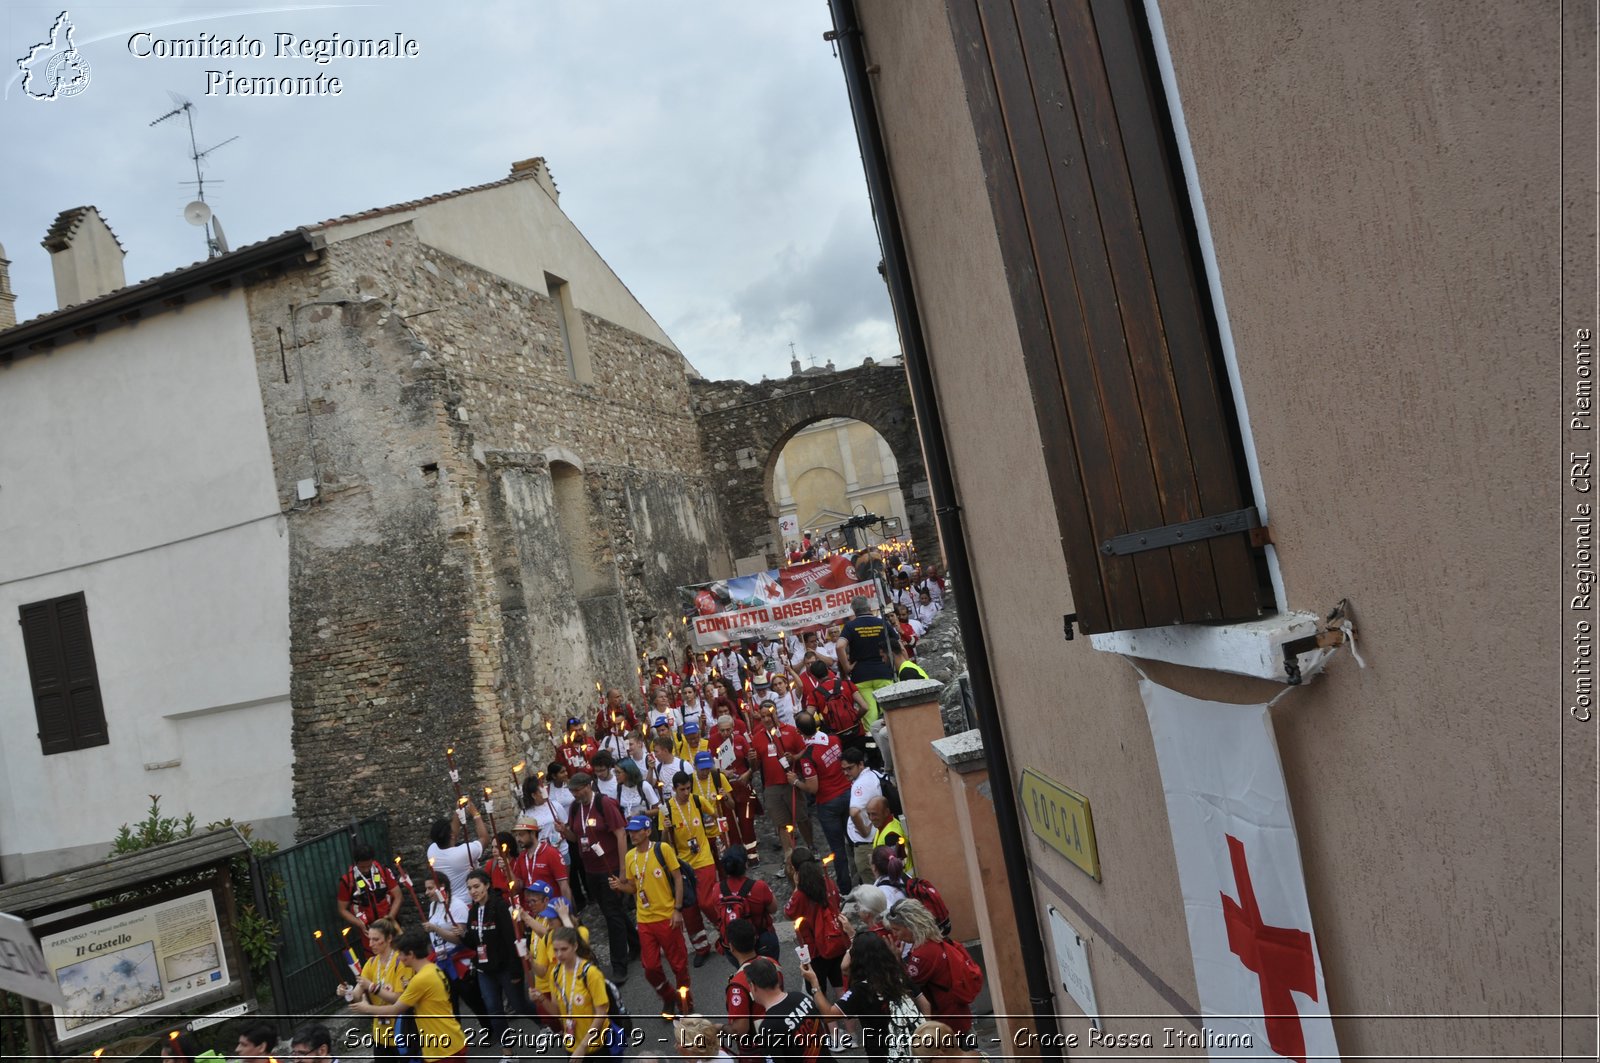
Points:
(891, 792)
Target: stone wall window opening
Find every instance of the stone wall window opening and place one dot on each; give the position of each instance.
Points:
(582, 539)
(62, 674)
(828, 470)
(569, 319)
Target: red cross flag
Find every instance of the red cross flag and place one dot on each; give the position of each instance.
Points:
(1256, 961)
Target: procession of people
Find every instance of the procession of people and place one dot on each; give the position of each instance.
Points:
(642, 829)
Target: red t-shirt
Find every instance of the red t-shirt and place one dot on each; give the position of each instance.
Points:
(802, 907)
(789, 744)
(742, 1005)
(542, 863)
(367, 892)
(821, 761)
(759, 903)
(575, 754)
(596, 824)
(627, 719)
(929, 970)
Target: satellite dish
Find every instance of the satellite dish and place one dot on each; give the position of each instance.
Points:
(216, 235)
(197, 213)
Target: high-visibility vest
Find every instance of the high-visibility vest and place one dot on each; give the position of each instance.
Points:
(893, 827)
(914, 668)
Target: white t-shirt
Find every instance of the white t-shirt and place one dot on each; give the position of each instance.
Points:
(634, 801)
(438, 915)
(561, 799)
(829, 652)
(786, 706)
(545, 816)
(924, 612)
(864, 789)
(662, 773)
(894, 893)
(455, 862)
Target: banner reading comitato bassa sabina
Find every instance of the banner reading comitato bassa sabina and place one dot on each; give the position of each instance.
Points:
(774, 601)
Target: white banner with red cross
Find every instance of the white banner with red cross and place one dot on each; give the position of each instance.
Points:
(1256, 962)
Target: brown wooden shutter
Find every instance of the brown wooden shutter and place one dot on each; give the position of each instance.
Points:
(1115, 324)
(66, 686)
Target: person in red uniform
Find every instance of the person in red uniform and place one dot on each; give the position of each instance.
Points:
(368, 891)
(743, 1011)
(538, 860)
(928, 963)
(731, 747)
(576, 746)
(819, 770)
(616, 716)
(774, 748)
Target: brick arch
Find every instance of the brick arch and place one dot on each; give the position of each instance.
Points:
(744, 426)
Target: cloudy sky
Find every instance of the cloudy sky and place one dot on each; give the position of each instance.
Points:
(704, 147)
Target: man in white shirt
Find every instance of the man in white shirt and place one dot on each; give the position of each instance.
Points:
(924, 611)
(448, 854)
(664, 763)
(727, 664)
(865, 784)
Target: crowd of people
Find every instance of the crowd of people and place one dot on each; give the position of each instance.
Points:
(647, 813)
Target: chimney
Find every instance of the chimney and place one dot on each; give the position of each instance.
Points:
(85, 255)
(8, 298)
(539, 171)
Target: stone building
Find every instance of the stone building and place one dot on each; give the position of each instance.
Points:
(477, 479)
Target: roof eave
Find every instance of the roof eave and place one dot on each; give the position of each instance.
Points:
(169, 291)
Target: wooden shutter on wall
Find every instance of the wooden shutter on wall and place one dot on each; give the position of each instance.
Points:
(1114, 321)
(61, 667)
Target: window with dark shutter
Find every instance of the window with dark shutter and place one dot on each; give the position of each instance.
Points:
(1116, 326)
(66, 688)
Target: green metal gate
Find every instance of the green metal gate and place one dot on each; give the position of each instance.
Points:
(302, 884)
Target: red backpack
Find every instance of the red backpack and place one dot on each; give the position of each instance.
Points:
(920, 889)
(966, 977)
(837, 707)
(737, 905)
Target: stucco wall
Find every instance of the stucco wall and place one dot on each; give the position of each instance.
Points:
(137, 471)
(1364, 167)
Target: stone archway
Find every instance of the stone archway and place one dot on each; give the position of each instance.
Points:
(744, 426)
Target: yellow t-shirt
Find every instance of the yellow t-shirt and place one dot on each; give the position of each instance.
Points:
(393, 975)
(654, 897)
(685, 752)
(544, 954)
(428, 996)
(708, 789)
(679, 825)
(581, 995)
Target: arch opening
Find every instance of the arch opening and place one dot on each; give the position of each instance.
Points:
(827, 470)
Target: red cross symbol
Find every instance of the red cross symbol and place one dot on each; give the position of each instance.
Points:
(1279, 956)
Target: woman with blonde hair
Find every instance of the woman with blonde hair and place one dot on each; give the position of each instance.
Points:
(697, 1039)
(383, 979)
(928, 962)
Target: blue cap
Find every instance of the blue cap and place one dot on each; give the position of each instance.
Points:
(550, 912)
(663, 721)
(703, 760)
(538, 887)
(573, 721)
(639, 823)
(691, 728)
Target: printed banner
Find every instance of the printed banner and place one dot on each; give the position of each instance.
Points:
(141, 961)
(1255, 954)
(774, 601)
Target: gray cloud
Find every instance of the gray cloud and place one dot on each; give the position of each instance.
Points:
(706, 151)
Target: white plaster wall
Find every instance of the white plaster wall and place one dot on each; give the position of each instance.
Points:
(135, 468)
(517, 231)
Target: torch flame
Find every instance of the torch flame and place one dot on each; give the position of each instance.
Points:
(799, 919)
(519, 765)
(827, 859)
(683, 993)
(172, 1035)
(597, 686)
(315, 933)
(100, 1051)
(461, 800)
(487, 791)
(450, 752)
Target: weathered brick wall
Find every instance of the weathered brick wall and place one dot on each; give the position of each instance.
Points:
(743, 427)
(432, 603)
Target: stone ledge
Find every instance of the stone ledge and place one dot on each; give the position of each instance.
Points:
(910, 692)
(963, 752)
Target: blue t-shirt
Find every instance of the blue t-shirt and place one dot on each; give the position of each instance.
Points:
(869, 657)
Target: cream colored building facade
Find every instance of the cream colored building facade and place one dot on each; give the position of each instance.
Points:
(1375, 208)
(833, 469)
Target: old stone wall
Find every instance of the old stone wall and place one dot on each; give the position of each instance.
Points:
(744, 426)
(461, 475)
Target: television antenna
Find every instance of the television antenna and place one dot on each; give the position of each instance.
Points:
(198, 211)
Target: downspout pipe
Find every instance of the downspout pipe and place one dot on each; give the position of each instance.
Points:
(924, 401)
